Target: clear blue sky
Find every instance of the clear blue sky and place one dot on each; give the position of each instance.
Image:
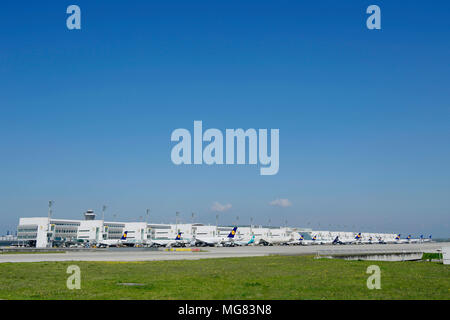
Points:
(364, 116)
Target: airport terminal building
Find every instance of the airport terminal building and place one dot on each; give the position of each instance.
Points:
(42, 232)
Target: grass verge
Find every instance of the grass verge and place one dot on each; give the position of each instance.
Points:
(272, 277)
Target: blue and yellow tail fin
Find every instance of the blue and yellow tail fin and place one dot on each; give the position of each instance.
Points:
(124, 235)
(232, 233)
(178, 237)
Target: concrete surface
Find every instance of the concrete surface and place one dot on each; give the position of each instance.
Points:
(139, 254)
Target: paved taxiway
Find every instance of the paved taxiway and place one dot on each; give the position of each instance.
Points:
(135, 254)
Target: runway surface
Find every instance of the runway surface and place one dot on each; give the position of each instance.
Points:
(139, 254)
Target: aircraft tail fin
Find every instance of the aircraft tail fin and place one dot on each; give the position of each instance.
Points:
(232, 233)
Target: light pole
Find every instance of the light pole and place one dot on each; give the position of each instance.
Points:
(217, 224)
(176, 221)
(50, 204)
(103, 212)
(147, 229)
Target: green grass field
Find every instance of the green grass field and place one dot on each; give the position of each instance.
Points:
(273, 277)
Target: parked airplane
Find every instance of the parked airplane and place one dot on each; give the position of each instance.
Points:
(414, 240)
(408, 239)
(114, 242)
(298, 241)
(271, 240)
(360, 240)
(395, 240)
(398, 239)
(356, 240)
(318, 240)
(381, 241)
(301, 241)
(177, 242)
(242, 242)
(214, 241)
(337, 241)
(310, 242)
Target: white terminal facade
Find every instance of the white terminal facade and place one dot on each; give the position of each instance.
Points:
(44, 232)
